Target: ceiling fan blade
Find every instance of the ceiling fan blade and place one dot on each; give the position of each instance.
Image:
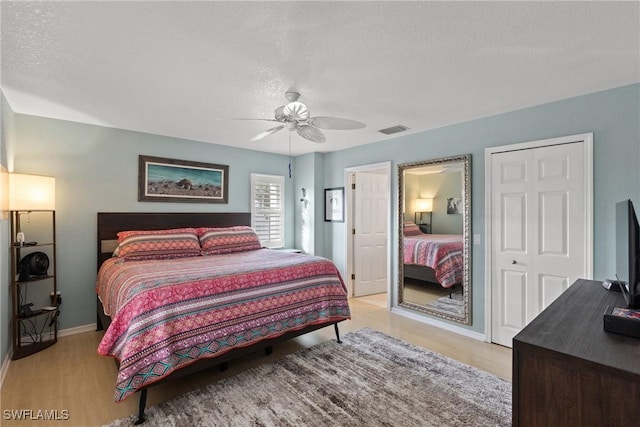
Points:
(279, 113)
(238, 118)
(336, 123)
(311, 133)
(267, 133)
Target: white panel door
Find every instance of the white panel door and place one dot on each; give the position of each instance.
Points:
(539, 235)
(370, 237)
(511, 183)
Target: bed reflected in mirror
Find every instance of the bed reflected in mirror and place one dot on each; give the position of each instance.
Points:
(434, 237)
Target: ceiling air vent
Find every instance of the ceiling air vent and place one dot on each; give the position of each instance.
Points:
(393, 129)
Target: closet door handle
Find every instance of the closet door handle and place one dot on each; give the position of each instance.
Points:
(514, 262)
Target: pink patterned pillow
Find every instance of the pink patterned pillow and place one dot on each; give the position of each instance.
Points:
(410, 229)
(229, 239)
(158, 244)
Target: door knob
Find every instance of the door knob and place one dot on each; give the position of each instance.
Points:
(514, 262)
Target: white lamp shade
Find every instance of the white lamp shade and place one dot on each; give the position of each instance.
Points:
(31, 192)
(424, 205)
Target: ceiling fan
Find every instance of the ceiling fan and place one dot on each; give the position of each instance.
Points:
(295, 116)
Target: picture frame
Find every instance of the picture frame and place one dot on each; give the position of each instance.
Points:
(334, 204)
(170, 180)
(454, 206)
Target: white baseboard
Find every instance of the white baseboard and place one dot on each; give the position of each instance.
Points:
(438, 324)
(61, 333)
(77, 330)
(5, 366)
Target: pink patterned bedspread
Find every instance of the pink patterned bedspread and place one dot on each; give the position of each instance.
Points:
(167, 314)
(442, 252)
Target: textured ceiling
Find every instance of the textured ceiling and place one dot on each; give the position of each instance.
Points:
(172, 68)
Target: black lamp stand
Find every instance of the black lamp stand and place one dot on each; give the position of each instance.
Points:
(419, 220)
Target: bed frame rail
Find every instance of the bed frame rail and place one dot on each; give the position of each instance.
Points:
(223, 360)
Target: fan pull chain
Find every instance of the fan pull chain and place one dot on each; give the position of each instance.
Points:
(289, 155)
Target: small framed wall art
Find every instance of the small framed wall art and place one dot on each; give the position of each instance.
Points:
(334, 204)
(454, 206)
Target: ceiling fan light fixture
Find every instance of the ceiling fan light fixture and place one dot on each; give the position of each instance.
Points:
(296, 111)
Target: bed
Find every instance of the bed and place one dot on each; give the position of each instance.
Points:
(172, 304)
(436, 258)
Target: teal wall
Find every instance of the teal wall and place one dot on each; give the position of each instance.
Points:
(305, 219)
(308, 175)
(440, 187)
(614, 118)
(96, 170)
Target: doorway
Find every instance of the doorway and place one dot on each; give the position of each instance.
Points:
(367, 230)
(538, 225)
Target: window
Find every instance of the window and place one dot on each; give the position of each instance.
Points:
(267, 209)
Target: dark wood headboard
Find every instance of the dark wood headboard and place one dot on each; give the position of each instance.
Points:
(110, 223)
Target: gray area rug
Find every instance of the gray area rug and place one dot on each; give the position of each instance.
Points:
(452, 305)
(370, 379)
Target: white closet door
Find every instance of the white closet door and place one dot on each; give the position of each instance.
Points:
(539, 235)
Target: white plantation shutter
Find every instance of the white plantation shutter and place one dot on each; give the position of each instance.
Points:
(267, 209)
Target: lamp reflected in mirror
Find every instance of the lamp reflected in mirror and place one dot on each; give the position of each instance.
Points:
(423, 207)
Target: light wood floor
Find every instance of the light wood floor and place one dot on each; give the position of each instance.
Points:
(71, 376)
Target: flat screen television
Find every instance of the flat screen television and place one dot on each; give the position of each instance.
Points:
(628, 252)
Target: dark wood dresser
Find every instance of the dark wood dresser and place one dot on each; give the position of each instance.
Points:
(567, 371)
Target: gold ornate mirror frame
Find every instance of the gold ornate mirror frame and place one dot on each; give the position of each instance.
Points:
(462, 164)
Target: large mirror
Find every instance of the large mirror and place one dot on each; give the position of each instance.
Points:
(434, 237)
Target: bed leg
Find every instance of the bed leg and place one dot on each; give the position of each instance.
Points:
(453, 289)
(99, 326)
(268, 350)
(335, 326)
(223, 366)
(141, 405)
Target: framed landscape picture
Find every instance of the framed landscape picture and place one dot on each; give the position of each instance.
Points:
(171, 180)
